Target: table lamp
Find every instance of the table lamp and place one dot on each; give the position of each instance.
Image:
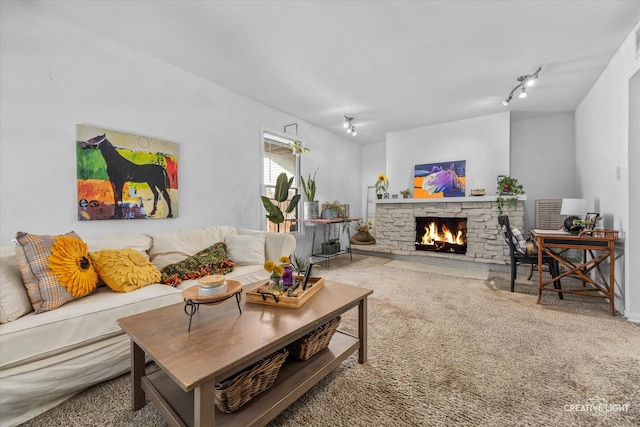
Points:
(573, 209)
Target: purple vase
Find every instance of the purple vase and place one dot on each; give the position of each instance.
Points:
(287, 276)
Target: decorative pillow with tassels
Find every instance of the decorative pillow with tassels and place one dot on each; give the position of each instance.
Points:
(213, 260)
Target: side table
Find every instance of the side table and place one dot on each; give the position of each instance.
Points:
(327, 225)
(192, 299)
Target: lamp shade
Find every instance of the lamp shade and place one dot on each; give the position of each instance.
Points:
(573, 207)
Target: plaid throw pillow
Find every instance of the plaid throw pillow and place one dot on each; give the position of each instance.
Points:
(55, 269)
(213, 260)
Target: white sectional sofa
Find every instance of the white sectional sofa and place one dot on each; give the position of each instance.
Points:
(48, 357)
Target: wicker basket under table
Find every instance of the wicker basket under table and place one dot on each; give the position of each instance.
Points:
(314, 341)
(234, 392)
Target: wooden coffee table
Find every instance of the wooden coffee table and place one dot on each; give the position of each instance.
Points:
(223, 342)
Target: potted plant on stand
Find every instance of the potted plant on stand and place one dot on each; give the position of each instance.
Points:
(510, 188)
(281, 194)
(311, 210)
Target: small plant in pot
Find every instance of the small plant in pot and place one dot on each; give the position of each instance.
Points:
(508, 190)
(333, 210)
(311, 210)
(405, 193)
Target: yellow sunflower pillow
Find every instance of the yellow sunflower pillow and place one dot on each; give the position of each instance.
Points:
(125, 270)
(55, 269)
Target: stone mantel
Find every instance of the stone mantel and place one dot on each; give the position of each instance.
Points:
(395, 222)
(445, 199)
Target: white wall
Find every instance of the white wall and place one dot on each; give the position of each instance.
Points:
(602, 146)
(55, 74)
(482, 141)
(543, 159)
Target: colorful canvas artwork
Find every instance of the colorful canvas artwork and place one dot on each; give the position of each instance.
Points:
(125, 176)
(434, 180)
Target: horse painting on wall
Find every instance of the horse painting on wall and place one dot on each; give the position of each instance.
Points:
(446, 179)
(125, 176)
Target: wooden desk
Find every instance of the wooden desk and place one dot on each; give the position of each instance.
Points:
(599, 244)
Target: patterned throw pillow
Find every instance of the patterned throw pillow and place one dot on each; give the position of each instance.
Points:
(124, 270)
(213, 260)
(518, 239)
(55, 269)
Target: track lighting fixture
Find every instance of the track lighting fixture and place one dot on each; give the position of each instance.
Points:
(523, 83)
(349, 127)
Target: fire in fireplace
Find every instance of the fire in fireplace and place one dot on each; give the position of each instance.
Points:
(441, 234)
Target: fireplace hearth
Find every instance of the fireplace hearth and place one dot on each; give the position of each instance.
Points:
(437, 234)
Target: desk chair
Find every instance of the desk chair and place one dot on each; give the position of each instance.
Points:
(518, 256)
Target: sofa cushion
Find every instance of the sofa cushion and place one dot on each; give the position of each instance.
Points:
(246, 249)
(55, 269)
(78, 323)
(14, 300)
(213, 260)
(138, 241)
(124, 270)
(174, 246)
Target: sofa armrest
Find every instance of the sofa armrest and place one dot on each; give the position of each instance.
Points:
(275, 244)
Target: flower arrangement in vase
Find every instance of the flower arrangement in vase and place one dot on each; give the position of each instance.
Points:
(280, 274)
(382, 184)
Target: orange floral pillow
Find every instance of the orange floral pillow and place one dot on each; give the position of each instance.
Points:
(55, 269)
(125, 270)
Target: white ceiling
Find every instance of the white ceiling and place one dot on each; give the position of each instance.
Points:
(394, 65)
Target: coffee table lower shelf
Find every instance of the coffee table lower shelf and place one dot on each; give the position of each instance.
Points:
(294, 379)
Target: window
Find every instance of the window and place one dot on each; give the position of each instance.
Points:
(278, 158)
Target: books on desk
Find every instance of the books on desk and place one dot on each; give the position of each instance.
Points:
(559, 232)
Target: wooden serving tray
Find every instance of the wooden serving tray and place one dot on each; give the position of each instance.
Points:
(297, 300)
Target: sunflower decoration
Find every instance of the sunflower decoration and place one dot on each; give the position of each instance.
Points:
(69, 262)
(273, 268)
(382, 183)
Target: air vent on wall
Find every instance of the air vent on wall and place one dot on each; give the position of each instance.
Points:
(548, 214)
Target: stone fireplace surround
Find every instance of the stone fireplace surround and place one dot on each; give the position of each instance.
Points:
(394, 228)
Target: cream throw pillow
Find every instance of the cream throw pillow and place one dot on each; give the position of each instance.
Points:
(247, 249)
(14, 300)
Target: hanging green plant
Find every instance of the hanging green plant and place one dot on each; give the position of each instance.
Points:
(510, 188)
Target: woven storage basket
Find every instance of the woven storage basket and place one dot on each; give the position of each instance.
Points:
(234, 392)
(314, 341)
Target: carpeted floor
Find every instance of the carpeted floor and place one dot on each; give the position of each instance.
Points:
(444, 351)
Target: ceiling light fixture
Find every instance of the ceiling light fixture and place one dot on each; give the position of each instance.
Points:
(523, 83)
(348, 125)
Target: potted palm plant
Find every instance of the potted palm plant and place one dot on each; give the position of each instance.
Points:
(274, 210)
(311, 208)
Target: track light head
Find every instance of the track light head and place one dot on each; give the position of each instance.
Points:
(523, 92)
(506, 100)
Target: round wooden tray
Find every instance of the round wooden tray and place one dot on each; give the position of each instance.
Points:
(233, 287)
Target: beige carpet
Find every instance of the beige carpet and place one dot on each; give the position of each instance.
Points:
(447, 351)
